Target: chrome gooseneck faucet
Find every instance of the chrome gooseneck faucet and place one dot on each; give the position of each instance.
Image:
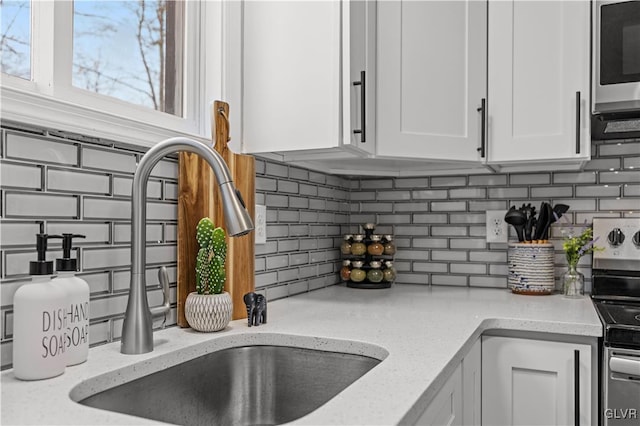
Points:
(137, 330)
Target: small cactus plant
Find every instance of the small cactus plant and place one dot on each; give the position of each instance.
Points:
(210, 272)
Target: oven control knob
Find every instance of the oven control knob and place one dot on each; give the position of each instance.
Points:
(636, 239)
(616, 237)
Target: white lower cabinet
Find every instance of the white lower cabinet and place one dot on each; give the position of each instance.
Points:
(533, 382)
(458, 401)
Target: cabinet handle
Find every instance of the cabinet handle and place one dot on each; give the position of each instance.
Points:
(363, 106)
(576, 386)
(483, 112)
(577, 122)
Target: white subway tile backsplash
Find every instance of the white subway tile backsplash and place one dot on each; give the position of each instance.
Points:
(468, 193)
(274, 169)
(438, 222)
(488, 281)
(101, 258)
(448, 206)
(449, 181)
(165, 169)
(574, 178)
(162, 211)
(468, 268)
(99, 283)
(455, 280)
(430, 243)
(19, 234)
(508, 192)
(429, 194)
(619, 149)
(106, 208)
(37, 149)
(620, 204)
(449, 231)
(109, 160)
(95, 232)
(530, 179)
(78, 182)
(122, 233)
(430, 267)
(620, 177)
(631, 190)
(33, 205)
(467, 243)
(487, 180)
(429, 218)
(448, 255)
(20, 176)
(551, 192)
(595, 191)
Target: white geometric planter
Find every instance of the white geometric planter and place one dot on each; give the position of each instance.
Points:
(208, 312)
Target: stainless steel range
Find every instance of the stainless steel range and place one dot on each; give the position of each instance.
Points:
(616, 295)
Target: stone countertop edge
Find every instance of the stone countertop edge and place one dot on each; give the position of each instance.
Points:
(421, 334)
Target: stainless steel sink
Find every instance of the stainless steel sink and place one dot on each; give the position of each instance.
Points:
(248, 385)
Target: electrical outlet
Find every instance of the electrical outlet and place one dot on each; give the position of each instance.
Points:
(260, 224)
(497, 228)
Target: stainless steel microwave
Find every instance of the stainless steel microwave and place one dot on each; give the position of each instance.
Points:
(616, 70)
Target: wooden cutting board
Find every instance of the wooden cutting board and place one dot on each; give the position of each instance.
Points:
(199, 197)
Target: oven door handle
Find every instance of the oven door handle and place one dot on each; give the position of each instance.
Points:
(624, 365)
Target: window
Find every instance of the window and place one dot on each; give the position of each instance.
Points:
(124, 70)
(130, 50)
(15, 45)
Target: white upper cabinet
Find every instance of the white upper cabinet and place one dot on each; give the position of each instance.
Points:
(431, 66)
(538, 81)
(295, 95)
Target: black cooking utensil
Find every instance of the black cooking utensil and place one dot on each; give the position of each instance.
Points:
(543, 231)
(541, 223)
(558, 211)
(530, 213)
(517, 219)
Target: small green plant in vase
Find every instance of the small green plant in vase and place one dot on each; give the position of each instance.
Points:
(576, 246)
(209, 308)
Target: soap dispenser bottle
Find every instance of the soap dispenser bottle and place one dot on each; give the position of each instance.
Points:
(39, 320)
(77, 336)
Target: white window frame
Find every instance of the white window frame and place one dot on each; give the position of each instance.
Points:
(50, 100)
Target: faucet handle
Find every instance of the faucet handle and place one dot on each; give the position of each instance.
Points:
(163, 277)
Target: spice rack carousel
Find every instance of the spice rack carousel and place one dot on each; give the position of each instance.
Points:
(367, 259)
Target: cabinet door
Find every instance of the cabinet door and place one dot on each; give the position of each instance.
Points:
(431, 64)
(538, 62)
(360, 62)
(472, 386)
(291, 75)
(532, 382)
(446, 407)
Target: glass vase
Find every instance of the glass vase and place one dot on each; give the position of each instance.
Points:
(573, 283)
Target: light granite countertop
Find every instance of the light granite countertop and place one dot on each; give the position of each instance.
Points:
(421, 332)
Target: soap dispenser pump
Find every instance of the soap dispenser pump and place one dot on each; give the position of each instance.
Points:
(39, 319)
(77, 338)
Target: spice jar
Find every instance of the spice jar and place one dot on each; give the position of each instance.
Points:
(358, 248)
(345, 272)
(375, 248)
(368, 230)
(357, 274)
(374, 274)
(345, 247)
(389, 245)
(389, 273)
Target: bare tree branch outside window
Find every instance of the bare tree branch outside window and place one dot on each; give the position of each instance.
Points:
(120, 50)
(15, 38)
